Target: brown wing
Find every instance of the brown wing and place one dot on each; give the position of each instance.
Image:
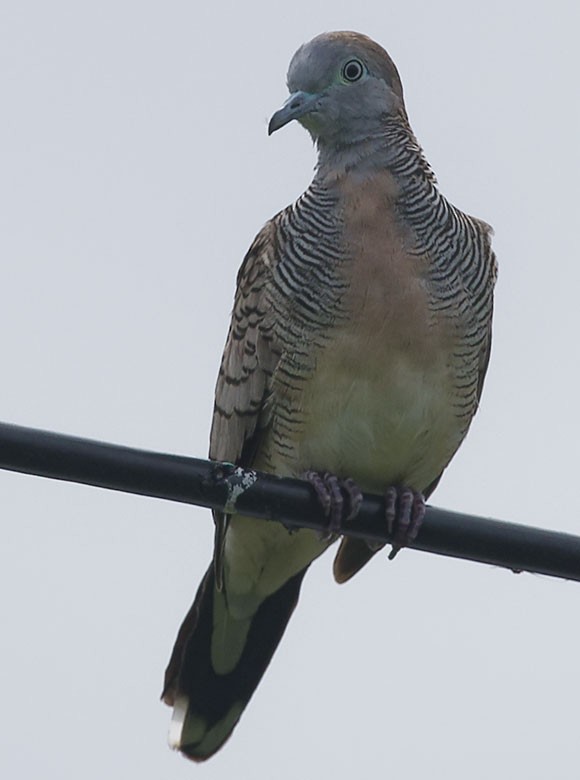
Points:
(249, 359)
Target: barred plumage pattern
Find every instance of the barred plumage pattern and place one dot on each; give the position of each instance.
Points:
(461, 260)
(358, 344)
(305, 293)
(307, 285)
(305, 282)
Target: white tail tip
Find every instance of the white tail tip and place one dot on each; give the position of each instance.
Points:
(177, 720)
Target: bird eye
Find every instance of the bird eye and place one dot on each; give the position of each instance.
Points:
(352, 70)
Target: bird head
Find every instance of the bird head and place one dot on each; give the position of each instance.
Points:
(343, 86)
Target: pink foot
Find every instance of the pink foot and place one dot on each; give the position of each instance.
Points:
(331, 492)
(404, 513)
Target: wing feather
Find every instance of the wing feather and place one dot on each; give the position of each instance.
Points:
(240, 411)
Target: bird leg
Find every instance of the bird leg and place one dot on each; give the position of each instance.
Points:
(404, 513)
(331, 492)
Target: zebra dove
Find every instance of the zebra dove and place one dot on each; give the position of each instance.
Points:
(356, 354)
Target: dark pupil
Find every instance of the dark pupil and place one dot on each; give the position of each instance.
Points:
(352, 71)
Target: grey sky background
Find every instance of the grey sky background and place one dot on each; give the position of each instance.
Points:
(136, 169)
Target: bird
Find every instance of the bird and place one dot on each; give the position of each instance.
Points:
(358, 345)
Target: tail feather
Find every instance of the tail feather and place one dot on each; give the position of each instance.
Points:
(208, 701)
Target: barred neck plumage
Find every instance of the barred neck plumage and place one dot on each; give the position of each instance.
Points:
(454, 241)
(307, 284)
(305, 299)
(392, 146)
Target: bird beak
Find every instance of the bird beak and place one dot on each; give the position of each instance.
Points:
(298, 104)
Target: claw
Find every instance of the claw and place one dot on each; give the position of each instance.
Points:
(329, 491)
(355, 498)
(404, 513)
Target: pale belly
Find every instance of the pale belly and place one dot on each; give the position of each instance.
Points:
(395, 425)
(374, 397)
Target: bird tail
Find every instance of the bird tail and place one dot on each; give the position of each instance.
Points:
(217, 663)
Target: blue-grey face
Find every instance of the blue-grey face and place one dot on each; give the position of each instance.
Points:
(342, 88)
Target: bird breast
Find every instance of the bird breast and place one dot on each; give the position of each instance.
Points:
(379, 405)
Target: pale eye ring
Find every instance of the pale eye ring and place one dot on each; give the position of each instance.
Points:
(352, 70)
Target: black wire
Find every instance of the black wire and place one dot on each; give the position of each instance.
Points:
(290, 501)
